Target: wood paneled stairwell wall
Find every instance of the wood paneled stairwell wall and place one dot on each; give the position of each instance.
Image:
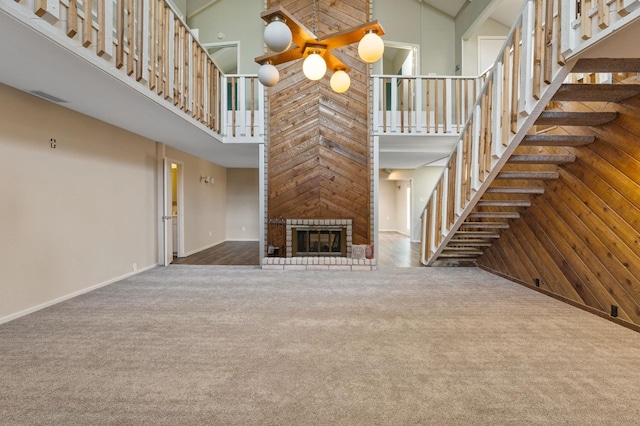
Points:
(581, 239)
(319, 142)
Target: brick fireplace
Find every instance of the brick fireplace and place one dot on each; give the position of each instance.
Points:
(319, 244)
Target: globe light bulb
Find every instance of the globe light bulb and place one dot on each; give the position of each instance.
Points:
(277, 36)
(268, 75)
(340, 81)
(371, 47)
(314, 67)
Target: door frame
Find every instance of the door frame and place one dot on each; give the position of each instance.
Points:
(180, 206)
(164, 210)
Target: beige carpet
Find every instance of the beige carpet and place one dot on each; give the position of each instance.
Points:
(188, 345)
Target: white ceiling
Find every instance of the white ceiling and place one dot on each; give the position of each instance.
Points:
(411, 152)
(450, 7)
(506, 11)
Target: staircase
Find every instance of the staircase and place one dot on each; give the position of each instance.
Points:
(508, 149)
(534, 161)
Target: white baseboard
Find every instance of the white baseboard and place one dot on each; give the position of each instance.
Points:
(243, 239)
(72, 295)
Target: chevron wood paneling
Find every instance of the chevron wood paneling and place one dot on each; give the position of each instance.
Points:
(581, 239)
(319, 141)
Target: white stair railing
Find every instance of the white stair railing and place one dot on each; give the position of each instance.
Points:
(423, 105)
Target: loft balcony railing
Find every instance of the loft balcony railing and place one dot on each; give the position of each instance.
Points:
(548, 35)
(423, 105)
(148, 42)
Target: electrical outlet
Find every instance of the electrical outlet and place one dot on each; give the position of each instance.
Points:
(614, 311)
(135, 267)
(244, 229)
(209, 233)
(537, 282)
(52, 142)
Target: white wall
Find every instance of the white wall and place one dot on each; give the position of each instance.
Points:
(392, 203)
(411, 21)
(424, 180)
(466, 21)
(489, 28)
(238, 21)
(73, 217)
(402, 226)
(243, 207)
(387, 205)
(205, 204)
(81, 215)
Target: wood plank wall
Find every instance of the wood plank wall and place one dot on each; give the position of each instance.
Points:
(319, 141)
(581, 239)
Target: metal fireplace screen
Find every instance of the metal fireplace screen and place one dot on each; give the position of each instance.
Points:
(319, 241)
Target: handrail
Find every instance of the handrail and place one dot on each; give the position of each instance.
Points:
(150, 44)
(423, 104)
(528, 71)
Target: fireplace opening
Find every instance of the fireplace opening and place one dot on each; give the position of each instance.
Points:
(319, 241)
(318, 237)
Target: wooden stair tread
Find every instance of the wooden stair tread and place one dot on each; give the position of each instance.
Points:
(458, 256)
(562, 118)
(495, 215)
(588, 65)
(492, 225)
(596, 92)
(542, 158)
(557, 140)
(528, 175)
(477, 234)
(462, 250)
(504, 203)
(469, 243)
(535, 190)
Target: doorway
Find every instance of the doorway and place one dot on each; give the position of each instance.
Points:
(173, 210)
(395, 205)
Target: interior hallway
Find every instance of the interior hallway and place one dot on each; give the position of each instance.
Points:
(397, 250)
(240, 346)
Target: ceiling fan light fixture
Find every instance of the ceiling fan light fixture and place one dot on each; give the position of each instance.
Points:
(314, 67)
(340, 81)
(268, 75)
(277, 35)
(371, 47)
